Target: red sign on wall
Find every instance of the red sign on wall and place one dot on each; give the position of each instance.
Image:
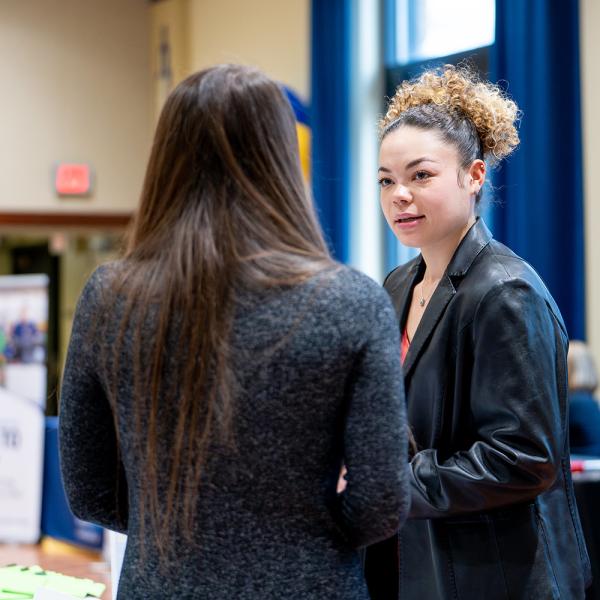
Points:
(73, 179)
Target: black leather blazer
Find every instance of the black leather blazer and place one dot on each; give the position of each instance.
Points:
(493, 512)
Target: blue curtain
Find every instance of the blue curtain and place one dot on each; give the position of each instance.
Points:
(536, 57)
(329, 118)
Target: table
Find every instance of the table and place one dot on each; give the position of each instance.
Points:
(61, 558)
(587, 493)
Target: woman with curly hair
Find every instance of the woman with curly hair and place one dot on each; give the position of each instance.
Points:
(484, 352)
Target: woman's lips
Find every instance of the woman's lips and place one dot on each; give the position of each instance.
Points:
(407, 222)
(408, 218)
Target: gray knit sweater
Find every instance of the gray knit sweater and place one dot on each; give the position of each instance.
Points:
(320, 383)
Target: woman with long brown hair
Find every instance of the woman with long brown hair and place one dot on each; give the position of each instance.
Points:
(221, 372)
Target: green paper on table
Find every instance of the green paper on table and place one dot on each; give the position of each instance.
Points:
(17, 582)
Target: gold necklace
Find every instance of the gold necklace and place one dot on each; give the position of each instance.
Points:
(422, 299)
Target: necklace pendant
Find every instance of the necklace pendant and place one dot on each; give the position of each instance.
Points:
(422, 302)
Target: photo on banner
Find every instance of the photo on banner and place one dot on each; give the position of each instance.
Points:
(23, 375)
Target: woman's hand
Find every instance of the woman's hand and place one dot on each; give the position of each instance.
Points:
(342, 483)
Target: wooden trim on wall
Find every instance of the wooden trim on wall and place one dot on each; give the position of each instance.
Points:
(60, 219)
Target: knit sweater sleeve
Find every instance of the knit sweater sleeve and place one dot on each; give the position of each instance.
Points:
(376, 500)
(92, 472)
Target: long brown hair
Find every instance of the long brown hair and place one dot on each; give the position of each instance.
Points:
(224, 205)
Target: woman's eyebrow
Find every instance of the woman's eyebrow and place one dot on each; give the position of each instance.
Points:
(414, 163)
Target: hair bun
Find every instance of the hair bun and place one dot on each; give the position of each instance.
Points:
(459, 88)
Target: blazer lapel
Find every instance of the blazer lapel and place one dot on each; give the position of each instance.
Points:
(435, 309)
(401, 290)
(402, 282)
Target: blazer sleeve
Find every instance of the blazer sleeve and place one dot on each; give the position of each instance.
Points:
(92, 472)
(376, 500)
(517, 405)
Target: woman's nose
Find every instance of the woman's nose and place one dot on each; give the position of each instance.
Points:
(402, 194)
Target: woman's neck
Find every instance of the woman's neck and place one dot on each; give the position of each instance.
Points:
(438, 256)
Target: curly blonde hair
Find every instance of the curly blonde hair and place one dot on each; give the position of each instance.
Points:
(456, 93)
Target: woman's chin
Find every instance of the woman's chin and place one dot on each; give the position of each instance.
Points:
(407, 240)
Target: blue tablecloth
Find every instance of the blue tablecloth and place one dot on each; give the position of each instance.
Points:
(57, 519)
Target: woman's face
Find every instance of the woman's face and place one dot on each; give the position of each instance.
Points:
(426, 198)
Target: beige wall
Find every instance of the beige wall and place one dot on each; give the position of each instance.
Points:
(76, 87)
(170, 21)
(590, 57)
(271, 34)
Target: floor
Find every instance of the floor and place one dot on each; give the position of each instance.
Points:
(55, 556)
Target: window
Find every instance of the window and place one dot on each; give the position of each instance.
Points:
(425, 29)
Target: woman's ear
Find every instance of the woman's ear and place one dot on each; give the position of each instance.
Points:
(476, 175)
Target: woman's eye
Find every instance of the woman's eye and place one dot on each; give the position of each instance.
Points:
(421, 175)
(384, 181)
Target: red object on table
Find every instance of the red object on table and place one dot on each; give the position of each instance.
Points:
(577, 466)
